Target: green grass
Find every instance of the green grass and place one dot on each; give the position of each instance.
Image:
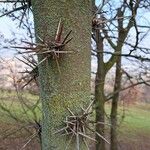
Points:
(24, 107)
(136, 120)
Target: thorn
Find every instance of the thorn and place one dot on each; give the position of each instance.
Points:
(59, 32)
(66, 36)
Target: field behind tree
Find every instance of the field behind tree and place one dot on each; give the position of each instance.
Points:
(18, 127)
(134, 126)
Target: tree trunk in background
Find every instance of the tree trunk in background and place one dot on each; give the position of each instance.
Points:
(71, 87)
(99, 92)
(117, 86)
(99, 84)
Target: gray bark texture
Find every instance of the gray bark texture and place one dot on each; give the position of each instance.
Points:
(69, 88)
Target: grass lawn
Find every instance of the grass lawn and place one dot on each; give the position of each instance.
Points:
(137, 119)
(133, 128)
(22, 106)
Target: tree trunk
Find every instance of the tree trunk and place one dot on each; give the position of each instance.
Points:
(117, 86)
(69, 87)
(99, 92)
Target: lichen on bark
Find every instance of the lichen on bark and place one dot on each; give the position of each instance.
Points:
(71, 87)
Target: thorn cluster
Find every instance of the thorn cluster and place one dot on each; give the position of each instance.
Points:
(78, 126)
(48, 48)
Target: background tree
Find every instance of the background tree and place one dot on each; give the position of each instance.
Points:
(112, 29)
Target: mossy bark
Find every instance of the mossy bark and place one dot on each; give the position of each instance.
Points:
(99, 92)
(114, 109)
(70, 87)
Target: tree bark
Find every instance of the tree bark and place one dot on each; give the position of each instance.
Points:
(99, 92)
(117, 86)
(69, 88)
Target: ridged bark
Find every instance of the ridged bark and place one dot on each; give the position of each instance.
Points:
(71, 87)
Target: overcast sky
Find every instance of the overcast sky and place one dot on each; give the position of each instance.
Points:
(8, 27)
